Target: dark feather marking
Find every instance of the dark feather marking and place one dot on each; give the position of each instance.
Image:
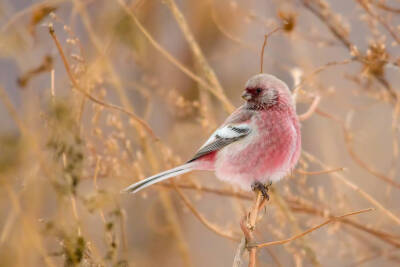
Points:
(220, 142)
(239, 130)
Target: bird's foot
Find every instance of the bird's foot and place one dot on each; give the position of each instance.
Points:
(260, 187)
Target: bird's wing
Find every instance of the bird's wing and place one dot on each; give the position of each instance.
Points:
(235, 128)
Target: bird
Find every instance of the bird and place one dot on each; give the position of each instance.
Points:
(257, 145)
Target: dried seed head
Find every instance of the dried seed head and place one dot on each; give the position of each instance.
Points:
(288, 19)
(375, 60)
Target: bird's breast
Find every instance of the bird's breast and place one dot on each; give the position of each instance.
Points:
(267, 153)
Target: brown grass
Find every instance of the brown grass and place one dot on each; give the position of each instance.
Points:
(95, 95)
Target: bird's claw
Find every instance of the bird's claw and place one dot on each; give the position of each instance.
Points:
(258, 186)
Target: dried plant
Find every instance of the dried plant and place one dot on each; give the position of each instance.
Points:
(95, 95)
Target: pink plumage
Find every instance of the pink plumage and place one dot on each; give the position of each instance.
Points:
(259, 143)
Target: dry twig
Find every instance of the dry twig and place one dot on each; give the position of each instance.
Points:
(89, 96)
(330, 220)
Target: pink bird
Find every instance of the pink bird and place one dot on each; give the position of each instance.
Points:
(258, 144)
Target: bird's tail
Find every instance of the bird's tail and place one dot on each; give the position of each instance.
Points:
(133, 188)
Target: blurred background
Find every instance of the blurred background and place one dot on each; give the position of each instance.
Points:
(142, 85)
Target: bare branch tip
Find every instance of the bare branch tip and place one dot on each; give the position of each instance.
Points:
(51, 29)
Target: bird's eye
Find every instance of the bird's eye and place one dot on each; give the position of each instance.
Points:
(258, 90)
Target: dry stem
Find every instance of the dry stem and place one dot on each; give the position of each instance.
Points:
(248, 225)
(356, 188)
(330, 220)
(202, 219)
(89, 96)
(264, 45)
(218, 94)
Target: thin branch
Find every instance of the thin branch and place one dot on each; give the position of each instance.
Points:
(198, 55)
(201, 65)
(241, 195)
(284, 207)
(202, 219)
(89, 96)
(380, 19)
(224, 32)
(203, 189)
(385, 7)
(333, 219)
(348, 141)
(298, 205)
(17, 16)
(274, 257)
(395, 140)
(311, 109)
(356, 188)
(248, 225)
(376, 255)
(318, 70)
(252, 219)
(321, 10)
(265, 44)
(319, 172)
(330, 20)
(227, 105)
(12, 110)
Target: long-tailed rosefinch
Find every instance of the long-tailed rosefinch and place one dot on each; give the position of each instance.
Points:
(258, 144)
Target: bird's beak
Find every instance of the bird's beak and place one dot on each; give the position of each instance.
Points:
(246, 95)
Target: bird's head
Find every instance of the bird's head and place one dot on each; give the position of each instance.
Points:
(265, 90)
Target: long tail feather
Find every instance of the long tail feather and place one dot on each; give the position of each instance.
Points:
(133, 188)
